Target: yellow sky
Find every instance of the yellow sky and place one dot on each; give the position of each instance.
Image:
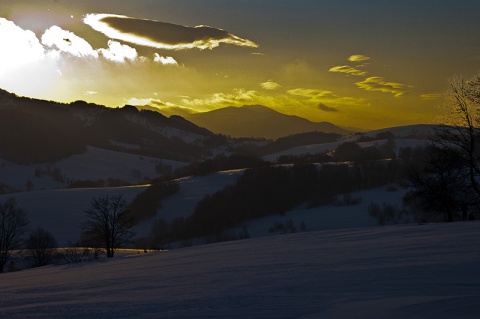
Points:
(365, 64)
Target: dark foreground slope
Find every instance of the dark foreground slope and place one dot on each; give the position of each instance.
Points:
(415, 271)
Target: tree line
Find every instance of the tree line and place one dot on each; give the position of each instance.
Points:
(276, 189)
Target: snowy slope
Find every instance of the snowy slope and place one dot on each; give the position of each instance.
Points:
(192, 190)
(334, 216)
(426, 271)
(102, 164)
(328, 147)
(93, 165)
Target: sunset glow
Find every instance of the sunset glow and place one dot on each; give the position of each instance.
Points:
(365, 65)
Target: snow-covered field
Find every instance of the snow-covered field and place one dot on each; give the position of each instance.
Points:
(407, 271)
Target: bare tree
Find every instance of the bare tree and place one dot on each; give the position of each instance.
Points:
(108, 223)
(450, 180)
(462, 123)
(13, 226)
(440, 187)
(42, 245)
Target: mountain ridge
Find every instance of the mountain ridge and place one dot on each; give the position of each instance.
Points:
(35, 131)
(258, 121)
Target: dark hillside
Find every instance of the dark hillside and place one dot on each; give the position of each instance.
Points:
(38, 131)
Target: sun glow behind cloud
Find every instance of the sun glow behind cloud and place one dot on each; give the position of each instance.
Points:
(61, 65)
(21, 54)
(70, 53)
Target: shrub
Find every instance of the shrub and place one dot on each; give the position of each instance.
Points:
(42, 245)
(384, 214)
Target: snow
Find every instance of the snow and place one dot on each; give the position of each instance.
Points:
(408, 271)
(344, 266)
(98, 163)
(334, 216)
(304, 149)
(192, 190)
(93, 165)
(407, 130)
(328, 147)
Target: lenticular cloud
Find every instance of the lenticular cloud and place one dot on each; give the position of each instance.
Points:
(162, 35)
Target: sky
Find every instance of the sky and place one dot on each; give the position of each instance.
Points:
(366, 64)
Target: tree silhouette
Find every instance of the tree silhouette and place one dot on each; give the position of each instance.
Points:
(450, 180)
(108, 223)
(462, 125)
(13, 226)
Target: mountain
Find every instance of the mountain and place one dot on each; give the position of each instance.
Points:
(39, 131)
(258, 121)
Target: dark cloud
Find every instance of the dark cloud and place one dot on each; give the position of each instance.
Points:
(162, 35)
(326, 108)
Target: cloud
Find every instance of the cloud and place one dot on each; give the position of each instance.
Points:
(59, 40)
(118, 52)
(358, 58)
(321, 98)
(324, 99)
(156, 103)
(376, 83)
(311, 93)
(326, 108)
(239, 97)
(431, 96)
(140, 101)
(167, 60)
(347, 69)
(25, 66)
(64, 66)
(270, 85)
(162, 35)
(18, 47)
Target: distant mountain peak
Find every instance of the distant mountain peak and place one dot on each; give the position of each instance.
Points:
(258, 121)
